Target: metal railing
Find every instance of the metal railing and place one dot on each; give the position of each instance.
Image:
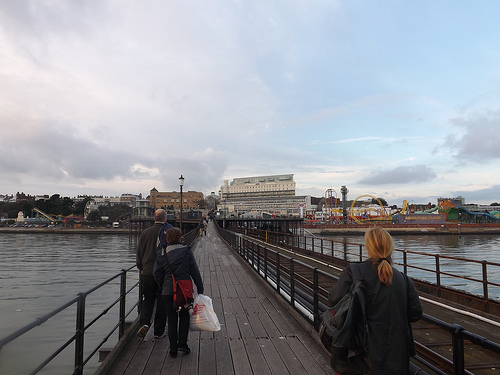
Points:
(440, 270)
(303, 292)
(78, 339)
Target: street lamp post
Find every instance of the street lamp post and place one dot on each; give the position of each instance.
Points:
(181, 183)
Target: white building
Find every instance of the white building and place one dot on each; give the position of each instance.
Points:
(273, 194)
(95, 202)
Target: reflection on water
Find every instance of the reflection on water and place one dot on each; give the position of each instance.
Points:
(40, 272)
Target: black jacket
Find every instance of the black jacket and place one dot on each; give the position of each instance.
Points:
(389, 311)
(146, 254)
(182, 263)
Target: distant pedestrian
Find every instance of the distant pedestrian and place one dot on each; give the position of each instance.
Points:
(204, 228)
(183, 265)
(151, 291)
(392, 302)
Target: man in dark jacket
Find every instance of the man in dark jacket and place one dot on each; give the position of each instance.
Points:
(151, 291)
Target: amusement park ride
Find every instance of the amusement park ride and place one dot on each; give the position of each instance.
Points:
(447, 210)
(40, 217)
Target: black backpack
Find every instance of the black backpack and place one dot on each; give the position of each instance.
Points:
(343, 329)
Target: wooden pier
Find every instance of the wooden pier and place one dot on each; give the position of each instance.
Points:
(260, 333)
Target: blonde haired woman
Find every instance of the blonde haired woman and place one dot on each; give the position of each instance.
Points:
(392, 302)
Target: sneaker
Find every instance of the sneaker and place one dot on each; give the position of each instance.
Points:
(173, 354)
(157, 337)
(184, 348)
(143, 330)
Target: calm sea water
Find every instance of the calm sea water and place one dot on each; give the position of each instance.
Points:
(473, 247)
(40, 272)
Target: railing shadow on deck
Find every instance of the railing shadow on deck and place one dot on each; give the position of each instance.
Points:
(308, 298)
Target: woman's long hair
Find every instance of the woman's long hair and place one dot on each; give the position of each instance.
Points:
(379, 246)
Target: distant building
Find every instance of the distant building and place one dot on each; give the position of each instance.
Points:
(130, 199)
(96, 201)
(274, 194)
(142, 208)
(212, 201)
(276, 186)
(172, 200)
(21, 197)
(6, 198)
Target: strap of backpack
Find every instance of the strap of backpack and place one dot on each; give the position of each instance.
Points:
(356, 272)
(168, 263)
(356, 276)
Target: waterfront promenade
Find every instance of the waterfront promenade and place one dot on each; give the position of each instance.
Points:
(260, 333)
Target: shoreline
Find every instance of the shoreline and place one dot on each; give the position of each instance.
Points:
(333, 230)
(66, 230)
(406, 229)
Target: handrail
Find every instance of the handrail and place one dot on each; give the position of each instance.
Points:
(307, 299)
(81, 327)
(79, 337)
(354, 252)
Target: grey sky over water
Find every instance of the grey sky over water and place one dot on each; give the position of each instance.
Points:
(396, 99)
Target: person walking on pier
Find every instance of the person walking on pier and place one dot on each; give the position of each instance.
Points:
(181, 261)
(392, 302)
(151, 291)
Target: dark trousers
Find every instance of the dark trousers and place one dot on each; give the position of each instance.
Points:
(151, 293)
(178, 324)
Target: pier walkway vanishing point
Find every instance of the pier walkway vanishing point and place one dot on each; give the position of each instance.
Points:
(260, 333)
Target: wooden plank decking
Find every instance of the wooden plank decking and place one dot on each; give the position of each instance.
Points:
(260, 334)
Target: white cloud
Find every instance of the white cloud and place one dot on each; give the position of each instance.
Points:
(400, 175)
(126, 95)
(481, 140)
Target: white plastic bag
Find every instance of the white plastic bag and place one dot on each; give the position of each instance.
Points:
(203, 317)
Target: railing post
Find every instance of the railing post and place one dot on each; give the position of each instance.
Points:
(405, 262)
(80, 334)
(258, 259)
(265, 263)
(345, 251)
(253, 254)
(315, 298)
(438, 275)
(322, 252)
(312, 245)
(458, 350)
(123, 293)
(278, 272)
(485, 285)
(292, 282)
(360, 253)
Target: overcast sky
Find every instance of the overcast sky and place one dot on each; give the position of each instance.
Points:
(395, 99)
